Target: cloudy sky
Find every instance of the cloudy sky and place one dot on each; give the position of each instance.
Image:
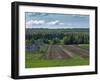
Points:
(53, 20)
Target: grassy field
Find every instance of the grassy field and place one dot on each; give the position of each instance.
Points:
(84, 46)
(34, 60)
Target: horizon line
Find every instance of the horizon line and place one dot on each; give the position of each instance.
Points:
(57, 28)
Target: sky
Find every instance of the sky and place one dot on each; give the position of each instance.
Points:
(55, 20)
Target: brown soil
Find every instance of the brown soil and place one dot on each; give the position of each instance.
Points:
(76, 50)
(58, 52)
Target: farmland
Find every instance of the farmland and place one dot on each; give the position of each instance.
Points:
(56, 47)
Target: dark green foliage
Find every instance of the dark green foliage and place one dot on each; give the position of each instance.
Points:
(55, 41)
(57, 36)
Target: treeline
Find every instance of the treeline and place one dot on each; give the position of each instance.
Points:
(46, 30)
(57, 38)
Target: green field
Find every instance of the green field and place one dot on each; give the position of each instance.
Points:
(34, 60)
(56, 47)
(84, 46)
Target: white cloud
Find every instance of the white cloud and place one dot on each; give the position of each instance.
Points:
(61, 23)
(53, 22)
(35, 22)
(31, 23)
(39, 23)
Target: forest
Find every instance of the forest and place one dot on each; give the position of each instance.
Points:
(57, 36)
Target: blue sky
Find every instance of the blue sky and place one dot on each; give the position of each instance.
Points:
(55, 20)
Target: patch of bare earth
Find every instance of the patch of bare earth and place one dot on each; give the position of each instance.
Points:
(76, 50)
(86, 49)
(58, 52)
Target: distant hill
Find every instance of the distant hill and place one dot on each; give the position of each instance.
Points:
(45, 30)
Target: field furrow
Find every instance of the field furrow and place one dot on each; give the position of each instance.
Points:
(77, 50)
(58, 52)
